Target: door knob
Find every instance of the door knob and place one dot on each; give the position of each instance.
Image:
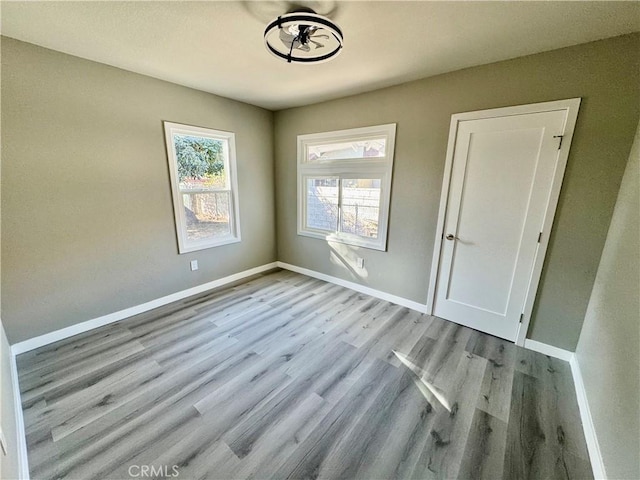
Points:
(451, 236)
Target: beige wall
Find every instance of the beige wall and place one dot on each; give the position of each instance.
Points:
(87, 220)
(88, 227)
(605, 74)
(608, 352)
(9, 463)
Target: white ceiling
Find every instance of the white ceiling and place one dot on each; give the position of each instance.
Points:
(217, 46)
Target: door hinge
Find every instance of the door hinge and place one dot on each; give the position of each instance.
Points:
(561, 137)
(539, 237)
(521, 317)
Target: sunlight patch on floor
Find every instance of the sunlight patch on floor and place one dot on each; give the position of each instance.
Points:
(428, 390)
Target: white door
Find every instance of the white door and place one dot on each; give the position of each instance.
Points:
(502, 179)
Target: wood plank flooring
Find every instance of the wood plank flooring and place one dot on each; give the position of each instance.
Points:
(286, 376)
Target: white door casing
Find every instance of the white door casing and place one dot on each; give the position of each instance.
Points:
(502, 181)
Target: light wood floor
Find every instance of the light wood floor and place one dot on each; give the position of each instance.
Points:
(290, 377)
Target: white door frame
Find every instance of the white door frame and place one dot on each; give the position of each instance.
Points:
(571, 106)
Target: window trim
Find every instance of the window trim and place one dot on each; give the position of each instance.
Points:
(368, 167)
(184, 245)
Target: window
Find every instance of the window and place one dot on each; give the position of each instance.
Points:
(344, 185)
(202, 167)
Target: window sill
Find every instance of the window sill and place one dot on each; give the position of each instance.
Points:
(345, 239)
(205, 246)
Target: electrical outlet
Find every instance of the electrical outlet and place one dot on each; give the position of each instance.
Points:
(194, 265)
(360, 262)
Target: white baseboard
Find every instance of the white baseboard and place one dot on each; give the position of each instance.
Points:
(357, 287)
(587, 422)
(82, 327)
(550, 350)
(21, 440)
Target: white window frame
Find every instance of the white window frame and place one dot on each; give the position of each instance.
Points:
(368, 167)
(228, 138)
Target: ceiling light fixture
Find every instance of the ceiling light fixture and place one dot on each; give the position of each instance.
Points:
(303, 36)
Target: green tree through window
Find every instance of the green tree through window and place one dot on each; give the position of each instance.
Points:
(198, 157)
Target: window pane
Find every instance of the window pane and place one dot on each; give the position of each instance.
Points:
(356, 149)
(322, 203)
(201, 162)
(207, 215)
(360, 206)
